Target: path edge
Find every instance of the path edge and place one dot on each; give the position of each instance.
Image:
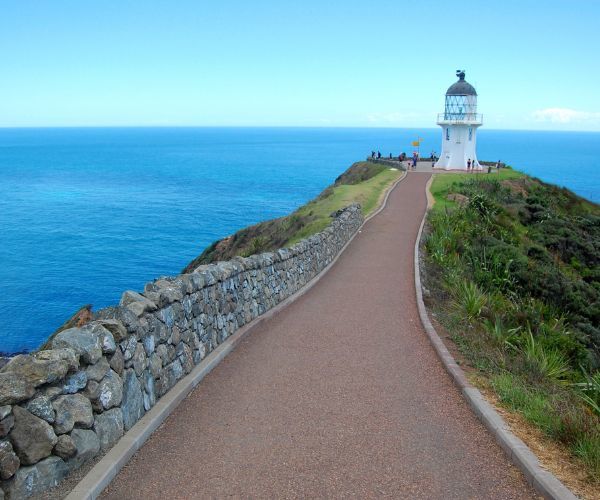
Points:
(544, 482)
(101, 475)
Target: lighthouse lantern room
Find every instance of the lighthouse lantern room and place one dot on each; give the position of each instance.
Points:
(459, 123)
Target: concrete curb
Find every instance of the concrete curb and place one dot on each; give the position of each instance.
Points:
(544, 482)
(100, 476)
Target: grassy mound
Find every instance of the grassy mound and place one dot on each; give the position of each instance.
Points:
(514, 267)
(362, 183)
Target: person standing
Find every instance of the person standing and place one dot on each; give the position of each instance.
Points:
(469, 165)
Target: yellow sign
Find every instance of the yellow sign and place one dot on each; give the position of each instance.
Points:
(416, 143)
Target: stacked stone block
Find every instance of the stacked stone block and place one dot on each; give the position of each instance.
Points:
(63, 406)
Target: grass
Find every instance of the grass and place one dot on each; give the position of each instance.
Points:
(363, 183)
(444, 183)
(515, 280)
(367, 193)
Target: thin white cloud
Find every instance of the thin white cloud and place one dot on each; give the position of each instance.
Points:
(565, 115)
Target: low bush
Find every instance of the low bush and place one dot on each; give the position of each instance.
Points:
(518, 274)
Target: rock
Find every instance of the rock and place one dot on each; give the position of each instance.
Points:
(36, 371)
(65, 447)
(155, 365)
(149, 390)
(37, 478)
(107, 340)
(85, 342)
(168, 293)
(66, 354)
(109, 427)
(41, 407)
(9, 462)
(87, 444)
(51, 392)
(71, 410)
(108, 393)
(163, 353)
(75, 382)
(32, 437)
(117, 362)
(6, 424)
(98, 371)
(169, 377)
(139, 359)
(133, 403)
(128, 347)
(149, 344)
(136, 303)
(5, 411)
(186, 358)
(460, 199)
(115, 327)
(122, 314)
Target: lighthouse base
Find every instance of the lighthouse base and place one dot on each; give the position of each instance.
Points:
(458, 147)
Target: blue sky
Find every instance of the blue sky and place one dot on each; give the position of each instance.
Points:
(309, 63)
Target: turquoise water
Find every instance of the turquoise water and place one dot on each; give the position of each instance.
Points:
(88, 213)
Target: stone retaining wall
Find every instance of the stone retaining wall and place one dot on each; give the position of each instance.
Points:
(63, 406)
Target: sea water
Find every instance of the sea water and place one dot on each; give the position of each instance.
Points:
(86, 213)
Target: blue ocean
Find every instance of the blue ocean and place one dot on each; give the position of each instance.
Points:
(86, 213)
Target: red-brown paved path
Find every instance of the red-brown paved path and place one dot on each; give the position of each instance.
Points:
(338, 395)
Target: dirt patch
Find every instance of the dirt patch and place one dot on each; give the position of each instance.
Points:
(516, 186)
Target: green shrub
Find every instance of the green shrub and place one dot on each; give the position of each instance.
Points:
(544, 362)
(469, 300)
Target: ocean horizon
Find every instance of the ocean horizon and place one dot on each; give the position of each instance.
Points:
(89, 212)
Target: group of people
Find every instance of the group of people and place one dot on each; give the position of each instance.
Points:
(412, 161)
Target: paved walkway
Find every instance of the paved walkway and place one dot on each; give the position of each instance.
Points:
(338, 395)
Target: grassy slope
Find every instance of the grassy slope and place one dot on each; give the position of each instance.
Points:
(367, 193)
(443, 184)
(515, 279)
(362, 183)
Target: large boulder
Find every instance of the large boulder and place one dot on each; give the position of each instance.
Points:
(84, 341)
(65, 354)
(109, 427)
(32, 437)
(136, 303)
(87, 444)
(71, 410)
(9, 462)
(133, 401)
(36, 371)
(37, 479)
(115, 327)
(98, 371)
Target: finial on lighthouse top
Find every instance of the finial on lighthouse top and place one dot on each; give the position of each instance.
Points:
(462, 87)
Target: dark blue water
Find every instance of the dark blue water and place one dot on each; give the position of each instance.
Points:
(88, 213)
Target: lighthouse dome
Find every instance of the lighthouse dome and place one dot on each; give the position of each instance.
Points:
(461, 87)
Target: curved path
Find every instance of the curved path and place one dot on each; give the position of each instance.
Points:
(338, 395)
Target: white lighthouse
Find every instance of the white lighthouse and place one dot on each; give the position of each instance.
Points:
(459, 123)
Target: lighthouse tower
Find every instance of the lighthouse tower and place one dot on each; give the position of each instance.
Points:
(459, 123)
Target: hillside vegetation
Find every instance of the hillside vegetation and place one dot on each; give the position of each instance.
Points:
(362, 183)
(513, 268)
